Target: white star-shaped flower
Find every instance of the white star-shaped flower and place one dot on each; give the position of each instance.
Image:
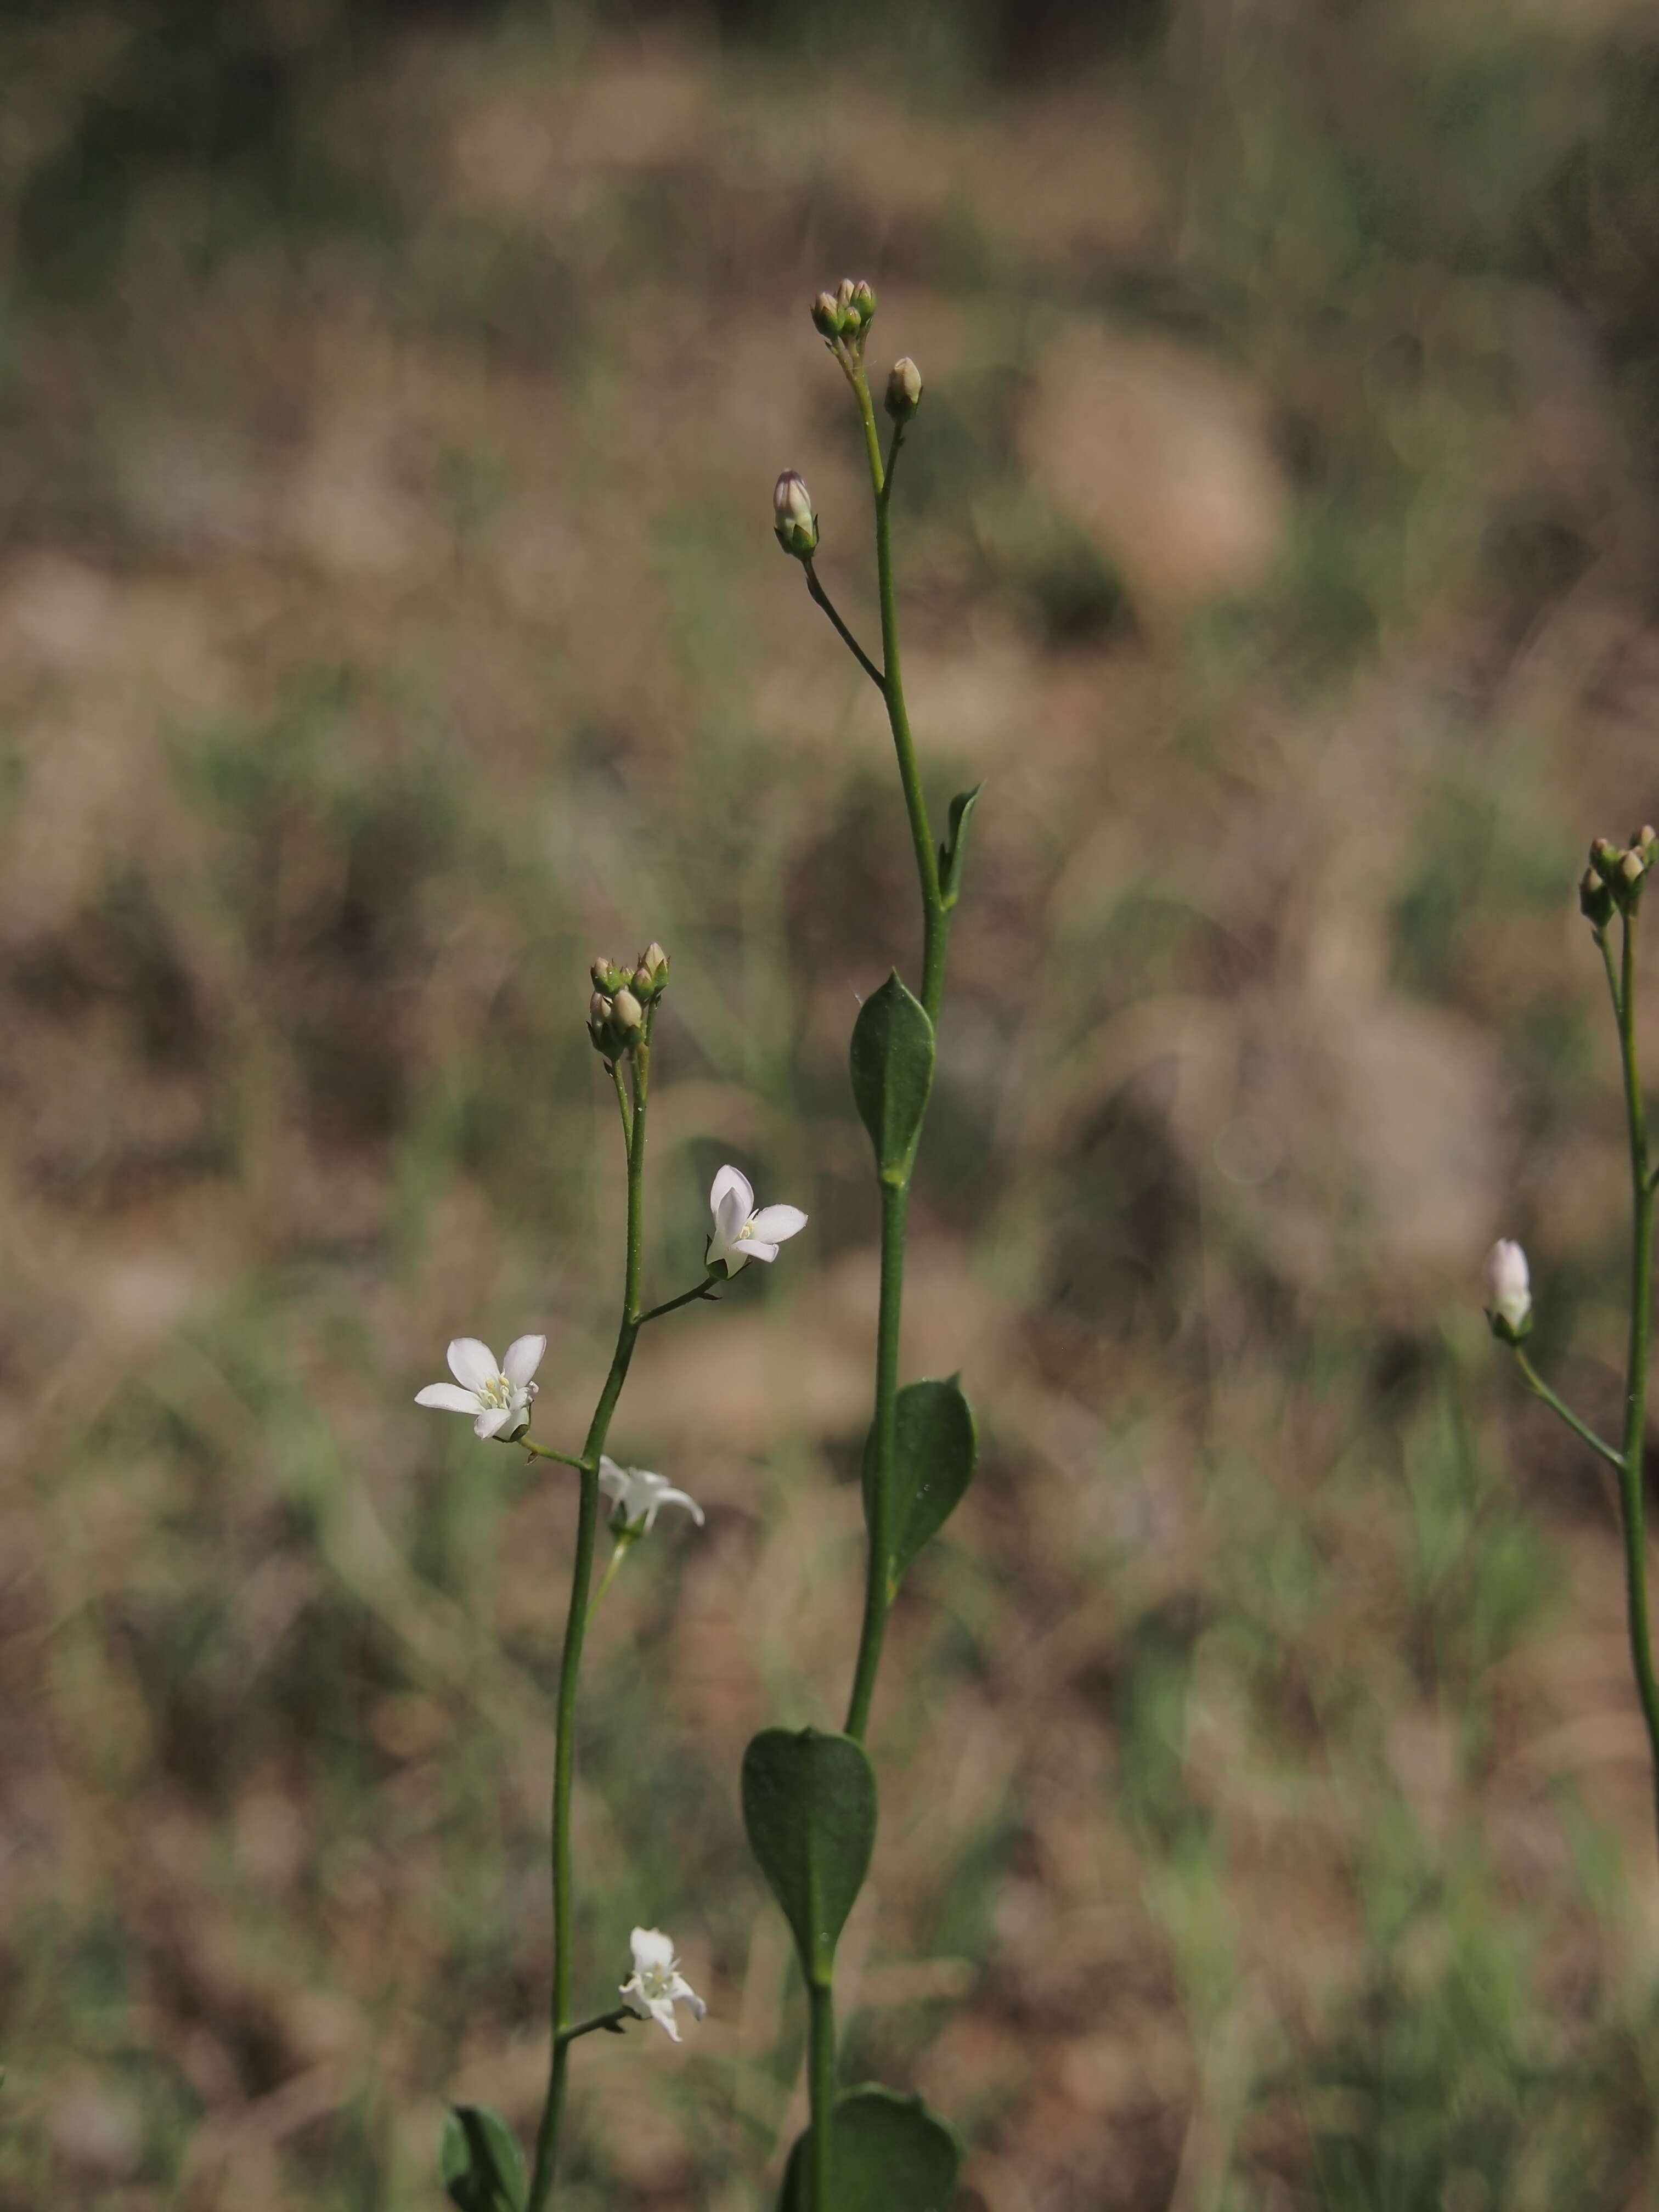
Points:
(656, 1982)
(498, 1398)
(741, 1234)
(638, 1494)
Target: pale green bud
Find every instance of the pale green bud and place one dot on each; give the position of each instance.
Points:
(903, 389)
(794, 518)
(826, 315)
(626, 1012)
(864, 299)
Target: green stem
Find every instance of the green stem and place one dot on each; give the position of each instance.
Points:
(821, 2088)
(821, 598)
(895, 1204)
(624, 1544)
(1540, 1389)
(546, 1451)
(581, 1575)
(935, 922)
(706, 1289)
(1631, 1483)
(614, 2020)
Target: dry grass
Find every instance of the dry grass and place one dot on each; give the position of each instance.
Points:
(389, 620)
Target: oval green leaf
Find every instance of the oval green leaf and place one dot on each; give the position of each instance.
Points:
(809, 1808)
(479, 2161)
(890, 2154)
(932, 1466)
(950, 852)
(892, 1070)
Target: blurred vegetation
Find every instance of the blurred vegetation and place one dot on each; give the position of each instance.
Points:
(389, 398)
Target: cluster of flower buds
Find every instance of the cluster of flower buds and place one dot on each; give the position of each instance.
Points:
(1612, 882)
(615, 1012)
(845, 315)
(1508, 1291)
(793, 517)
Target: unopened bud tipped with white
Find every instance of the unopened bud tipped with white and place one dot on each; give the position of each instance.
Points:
(903, 389)
(1508, 1291)
(793, 518)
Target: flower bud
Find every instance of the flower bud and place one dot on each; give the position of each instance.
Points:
(1632, 868)
(651, 976)
(1508, 1291)
(826, 315)
(626, 1013)
(864, 301)
(1604, 857)
(607, 976)
(903, 389)
(793, 520)
(1595, 900)
(844, 295)
(598, 1023)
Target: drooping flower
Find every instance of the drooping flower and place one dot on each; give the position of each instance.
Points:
(741, 1234)
(638, 1494)
(656, 1983)
(1509, 1289)
(498, 1398)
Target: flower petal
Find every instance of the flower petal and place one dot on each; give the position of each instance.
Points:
(524, 1356)
(493, 1420)
(720, 1253)
(755, 1250)
(680, 1988)
(651, 1948)
(448, 1395)
(612, 1480)
(728, 1183)
(774, 1223)
(662, 2010)
(472, 1363)
(679, 1498)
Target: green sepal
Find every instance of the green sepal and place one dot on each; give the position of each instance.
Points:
(932, 1466)
(890, 2154)
(809, 1809)
(950, 853)
(892, 1070)
(479, 2161)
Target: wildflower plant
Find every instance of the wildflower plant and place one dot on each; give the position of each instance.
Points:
(1609, 893)
(809, 1798)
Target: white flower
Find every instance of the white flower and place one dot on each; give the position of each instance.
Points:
(740, 1233)
(656, 1981)
(638, 1494)
(498, 1397)
(1509, 1285)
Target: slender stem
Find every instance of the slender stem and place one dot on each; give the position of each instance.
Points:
(622, 1103)
(546, 1451)
(935, 922)
(581, 1575)
(894, 1203)
(706, 1289)
(1540, 1389)
(624, 1544)
(821, 2088)
(1631, 1471)
(816, 591)
(614, 2020)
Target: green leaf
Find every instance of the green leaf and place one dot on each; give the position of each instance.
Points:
(892, 1067)
(479, 2161)
(890, 2155)
(932, 1466)
(950, 853)
(809, 1808)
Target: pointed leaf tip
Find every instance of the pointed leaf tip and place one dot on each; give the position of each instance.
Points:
(809, 1809)
(950, 852)
(936, 1448)
(891, 1064)
(479, 2161)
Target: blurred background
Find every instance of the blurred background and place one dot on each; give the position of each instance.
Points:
(390, 621)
